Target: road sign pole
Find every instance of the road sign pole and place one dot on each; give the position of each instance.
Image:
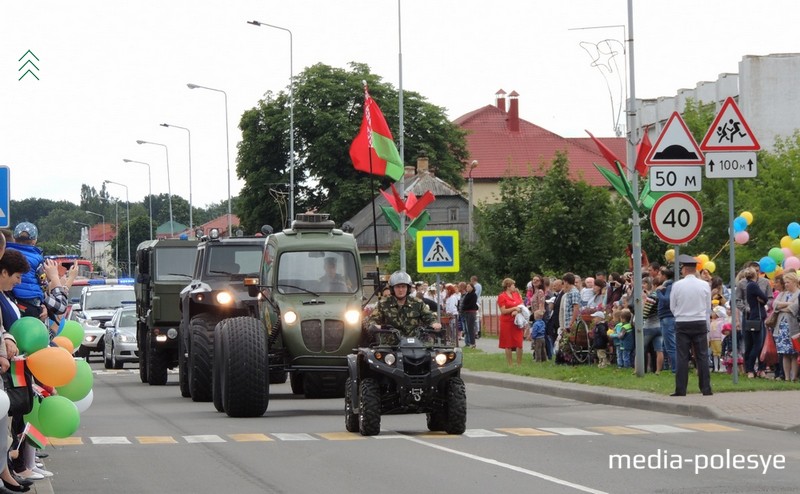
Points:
(734, 311)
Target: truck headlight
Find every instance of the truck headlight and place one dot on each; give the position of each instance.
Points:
(441, 359)
(224, 298)
(290, 317)
(352, 316)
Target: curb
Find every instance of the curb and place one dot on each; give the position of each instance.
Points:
(616, 397)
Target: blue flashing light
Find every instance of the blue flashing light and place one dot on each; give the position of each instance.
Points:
(125, 281)
(97, 281)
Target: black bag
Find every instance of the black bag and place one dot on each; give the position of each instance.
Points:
(21, 398)
(752, 325)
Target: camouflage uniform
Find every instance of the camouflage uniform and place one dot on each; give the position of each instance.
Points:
(406, 318)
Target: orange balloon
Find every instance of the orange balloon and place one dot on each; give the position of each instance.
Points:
(53, 366)
(64, 343)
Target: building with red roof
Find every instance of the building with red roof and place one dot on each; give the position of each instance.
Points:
(505, 145)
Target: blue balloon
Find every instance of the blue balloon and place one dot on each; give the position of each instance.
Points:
(740, 224)
(767, 264)
(793, 229)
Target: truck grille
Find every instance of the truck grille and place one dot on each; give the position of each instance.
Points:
(317, 338)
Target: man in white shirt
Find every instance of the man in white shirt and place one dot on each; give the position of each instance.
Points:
(690, 303)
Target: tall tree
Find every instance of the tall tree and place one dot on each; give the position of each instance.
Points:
(327, 115)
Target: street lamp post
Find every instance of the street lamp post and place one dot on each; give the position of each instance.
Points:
(191, 224)
(89, 240)
(103, 254)
(150, 189)
(291, 113)
(128, 217)
(169, 187)
(472, 166)
(227, 147)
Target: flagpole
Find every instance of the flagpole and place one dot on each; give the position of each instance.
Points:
(374, 198)
(402, 182)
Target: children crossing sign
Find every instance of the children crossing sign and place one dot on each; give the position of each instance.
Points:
(437, 251)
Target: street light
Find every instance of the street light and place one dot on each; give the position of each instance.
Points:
(227, 146)
(191, 224)
(169, 187)
(128, 216)
(88, 240)
(150, 189)
(472, 166)
(291, 114)
(103, 255)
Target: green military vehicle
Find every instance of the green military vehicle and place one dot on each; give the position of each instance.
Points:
(163, 268)
(310, 319)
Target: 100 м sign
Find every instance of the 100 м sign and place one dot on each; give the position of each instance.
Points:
(676, 218)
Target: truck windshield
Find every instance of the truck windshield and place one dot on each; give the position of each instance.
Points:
(175, 263)
(317, 271)
(226, 260)
(108, 299)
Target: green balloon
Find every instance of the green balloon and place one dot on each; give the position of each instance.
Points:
(58, 417)
(31, 334)
(33, 416)
(81, 384)
(74, 332)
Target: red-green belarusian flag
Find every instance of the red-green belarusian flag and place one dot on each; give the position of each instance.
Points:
(35, 436)
(373, 150)
(17, 372)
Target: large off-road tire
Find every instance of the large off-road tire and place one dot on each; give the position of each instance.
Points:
(350, 417)
(114, 362)
(369, 416)
(436, 421)
(456, 406)
(106, 358)
(201, 356)
(244, 368)
(156, 364)
(216, 387)
(297, 382)
(183, 362)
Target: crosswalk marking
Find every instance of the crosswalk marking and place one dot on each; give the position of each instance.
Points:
(610, 430)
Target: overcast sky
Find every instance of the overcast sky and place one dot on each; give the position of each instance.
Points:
(110, 71)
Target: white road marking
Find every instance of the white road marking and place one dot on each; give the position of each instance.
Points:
(482, 433)
(109, 440)
(659, 428)
(508, 466)
(206, 438)
(569, 431)
(299, 436)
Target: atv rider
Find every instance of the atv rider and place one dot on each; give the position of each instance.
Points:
(400, 311)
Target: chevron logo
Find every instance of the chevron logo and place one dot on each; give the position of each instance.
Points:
(28, 63)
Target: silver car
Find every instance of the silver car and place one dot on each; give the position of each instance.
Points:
(97, 306)
(120, 339)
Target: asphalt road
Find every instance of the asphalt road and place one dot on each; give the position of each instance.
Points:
(140, 439)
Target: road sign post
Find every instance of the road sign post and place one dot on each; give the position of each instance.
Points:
(437, 251)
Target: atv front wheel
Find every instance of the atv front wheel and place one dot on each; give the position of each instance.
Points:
(350, 418)
(369, 417)
(456, 407)
(436, 421)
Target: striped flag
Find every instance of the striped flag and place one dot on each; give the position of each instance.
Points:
(17, 372)
(373, 150)
(37, 439)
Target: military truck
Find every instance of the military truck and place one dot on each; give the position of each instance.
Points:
(310, 319)
(163, 268)
(216, 292)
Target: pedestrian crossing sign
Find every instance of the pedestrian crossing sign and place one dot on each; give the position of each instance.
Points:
(5, 196)
(437, 251)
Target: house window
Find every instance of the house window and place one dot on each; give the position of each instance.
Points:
(452, 214)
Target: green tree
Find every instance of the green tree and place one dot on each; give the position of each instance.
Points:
(327, 115)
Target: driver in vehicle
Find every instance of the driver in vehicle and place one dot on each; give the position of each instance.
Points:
(331, 280)
(400, 311)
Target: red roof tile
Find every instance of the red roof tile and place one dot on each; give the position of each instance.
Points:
(501, 152)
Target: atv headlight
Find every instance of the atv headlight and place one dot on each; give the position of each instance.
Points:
(224, 298)
(352, 316)
(389, 359)
(441, 359)
(290, 317)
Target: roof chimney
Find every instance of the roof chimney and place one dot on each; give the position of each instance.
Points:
(500, 99)
(410, 171)
(513, 112)
(422, 165)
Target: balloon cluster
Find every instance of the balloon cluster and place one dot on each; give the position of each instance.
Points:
(784, 257)
(740, 224)
(703, 261)
(56, 415)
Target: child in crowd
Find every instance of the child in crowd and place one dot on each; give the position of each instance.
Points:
(537, 337)
(624, 332)
(719, 317)
(600, 340)
(612, 335)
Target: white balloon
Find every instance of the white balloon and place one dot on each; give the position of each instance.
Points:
(5, 403)
(84, 403)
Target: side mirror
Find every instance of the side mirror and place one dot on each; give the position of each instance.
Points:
(76, 308)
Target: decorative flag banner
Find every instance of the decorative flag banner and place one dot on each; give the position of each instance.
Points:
(642, 150)
(17, 372)
(373, 150)
(32, 434)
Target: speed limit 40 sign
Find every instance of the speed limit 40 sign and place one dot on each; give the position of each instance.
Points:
(676, 218)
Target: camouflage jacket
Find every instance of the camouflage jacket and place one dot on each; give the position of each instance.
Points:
(406, 318)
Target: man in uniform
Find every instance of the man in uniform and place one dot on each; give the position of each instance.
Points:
(400, 311)
(690, 302)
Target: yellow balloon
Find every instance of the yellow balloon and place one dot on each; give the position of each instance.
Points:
(795, 246)
(669, 255)
(786, 242)
(710, 266)
(747, 215)
(703, 258)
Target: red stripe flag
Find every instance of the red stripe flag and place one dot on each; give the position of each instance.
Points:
(35, 436)
(642, 150)
(17, 372)
(373, 150)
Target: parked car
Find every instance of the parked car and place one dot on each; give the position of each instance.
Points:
(97, 306)
(120, 339)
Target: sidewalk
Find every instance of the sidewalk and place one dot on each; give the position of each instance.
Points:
(779, 410)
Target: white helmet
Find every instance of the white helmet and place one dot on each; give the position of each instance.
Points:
(400, 278)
